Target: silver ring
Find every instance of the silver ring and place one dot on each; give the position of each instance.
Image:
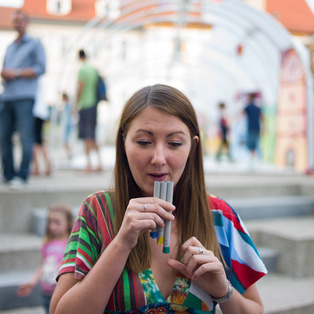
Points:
(200, 250)
(145, 207)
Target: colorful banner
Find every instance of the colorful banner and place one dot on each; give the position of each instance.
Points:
(291, 124)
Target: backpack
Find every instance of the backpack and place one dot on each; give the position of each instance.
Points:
(101, 91)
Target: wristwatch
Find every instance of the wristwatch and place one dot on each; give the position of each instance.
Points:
(227, 296)
(18, 73)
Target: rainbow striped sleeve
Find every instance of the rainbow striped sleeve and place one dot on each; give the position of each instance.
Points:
(90, 234)
(243, 260)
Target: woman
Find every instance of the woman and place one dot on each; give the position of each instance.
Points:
(117, 266)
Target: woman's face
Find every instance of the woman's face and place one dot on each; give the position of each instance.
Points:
(157, 147)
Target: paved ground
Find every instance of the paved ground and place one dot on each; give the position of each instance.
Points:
(76, 178)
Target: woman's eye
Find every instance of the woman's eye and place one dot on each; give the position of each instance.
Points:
(143, 143)
(175, 144)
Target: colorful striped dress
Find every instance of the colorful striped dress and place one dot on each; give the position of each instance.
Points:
(139, 293)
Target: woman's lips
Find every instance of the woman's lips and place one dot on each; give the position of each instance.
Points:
(158, 176)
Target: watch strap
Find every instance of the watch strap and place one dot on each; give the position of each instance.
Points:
(227, 296)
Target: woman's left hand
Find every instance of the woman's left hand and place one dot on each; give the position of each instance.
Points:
(203, 267)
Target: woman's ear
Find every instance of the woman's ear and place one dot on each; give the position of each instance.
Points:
(195, 141)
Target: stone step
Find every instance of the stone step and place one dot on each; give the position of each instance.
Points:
(19, 252)
(252, 189)
(9, 282)
(270, 258)
(16, 213)
(247, 186)
(26, 310)
(72, 187)
(19, 258)
(285, 295)
(273, 207)
(292, 238)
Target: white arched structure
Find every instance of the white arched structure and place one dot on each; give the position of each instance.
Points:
(137, 48)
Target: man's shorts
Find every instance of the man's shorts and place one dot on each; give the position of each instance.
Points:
(252, 139)
(87, 123)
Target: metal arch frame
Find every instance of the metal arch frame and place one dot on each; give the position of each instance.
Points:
(123, 24)
(212, 64)
(271, 33)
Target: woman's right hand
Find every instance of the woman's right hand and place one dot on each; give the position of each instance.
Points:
(92, 294)
(143, 214)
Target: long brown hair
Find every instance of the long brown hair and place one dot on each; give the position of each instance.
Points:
(193, 213)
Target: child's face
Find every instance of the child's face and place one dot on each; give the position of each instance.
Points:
(57, 224)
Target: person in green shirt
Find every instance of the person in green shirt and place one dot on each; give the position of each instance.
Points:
(86, 105)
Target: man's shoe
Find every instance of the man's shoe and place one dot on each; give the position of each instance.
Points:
(17, 183)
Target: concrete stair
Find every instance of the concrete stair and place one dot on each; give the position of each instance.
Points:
(26, 310)
(278, 212)
(269, 257)
(19, 252)
(8, 298)
(273, 207)
(285, 295)
(292, 238)
(19, 258)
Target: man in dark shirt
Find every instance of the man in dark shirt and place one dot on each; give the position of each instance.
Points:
(254, 118)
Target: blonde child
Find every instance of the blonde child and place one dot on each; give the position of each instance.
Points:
(59, 225)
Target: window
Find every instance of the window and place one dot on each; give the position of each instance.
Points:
(107, 8)
(59, 7)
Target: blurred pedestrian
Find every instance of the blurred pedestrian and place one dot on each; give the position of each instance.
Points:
(67, 123)
(224, 146)
(59, 225)
(87, 108)
(41, 115)
(254, 118)
(24, 62)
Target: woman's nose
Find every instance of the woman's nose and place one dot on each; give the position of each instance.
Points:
(159, 157)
